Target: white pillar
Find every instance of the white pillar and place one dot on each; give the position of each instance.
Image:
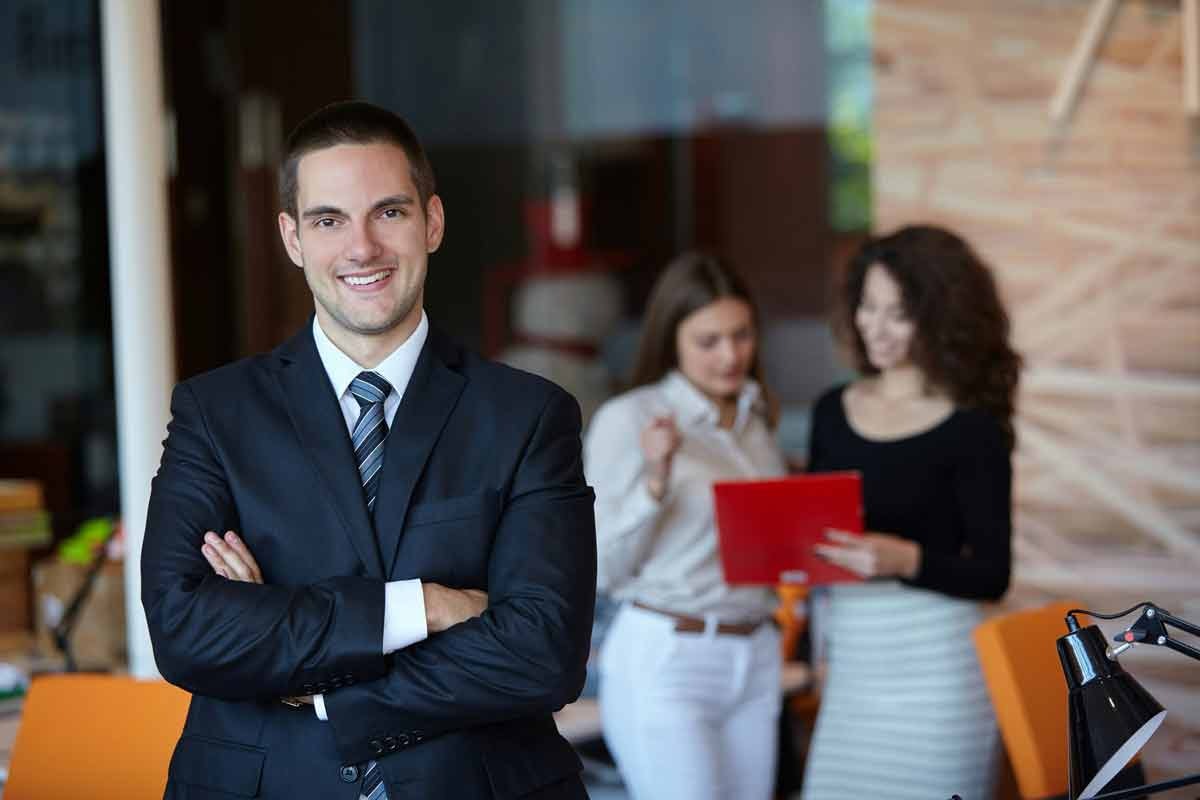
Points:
(135, 138)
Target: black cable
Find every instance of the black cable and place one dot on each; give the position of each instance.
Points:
(1118, 615)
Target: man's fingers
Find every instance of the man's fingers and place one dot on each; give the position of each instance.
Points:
(213, 558)
(218, 553)
(238, 546)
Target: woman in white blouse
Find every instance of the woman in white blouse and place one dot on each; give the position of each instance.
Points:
(689, 686)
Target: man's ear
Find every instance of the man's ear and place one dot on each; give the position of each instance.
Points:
(291, 238)
(435, 224)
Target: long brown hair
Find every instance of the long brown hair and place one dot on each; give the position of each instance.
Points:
(690, 282)
(961, 327)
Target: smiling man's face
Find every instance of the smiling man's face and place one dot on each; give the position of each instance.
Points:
(363, 241)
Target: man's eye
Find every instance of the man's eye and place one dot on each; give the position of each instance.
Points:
(393, 213)
(324, 222)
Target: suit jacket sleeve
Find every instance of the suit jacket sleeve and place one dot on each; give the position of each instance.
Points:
(527, 653)
(238, 640)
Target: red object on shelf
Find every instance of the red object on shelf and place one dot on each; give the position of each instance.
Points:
(547, 258)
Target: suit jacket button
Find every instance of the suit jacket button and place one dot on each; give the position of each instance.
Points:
(390, 743)
(405, 741)
(322, 687)
(349, 774)
(336, 683)
(307, 688)
(376, 747)
(348, 680)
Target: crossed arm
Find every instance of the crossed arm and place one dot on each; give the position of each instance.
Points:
(238, 639)
(230, 558)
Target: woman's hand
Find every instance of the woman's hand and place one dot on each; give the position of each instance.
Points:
(872, 555)
(660, 439)
(230, 558)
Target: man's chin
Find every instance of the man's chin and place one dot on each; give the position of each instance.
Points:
(371, 322)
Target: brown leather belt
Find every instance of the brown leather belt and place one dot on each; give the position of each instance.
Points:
(686, 624)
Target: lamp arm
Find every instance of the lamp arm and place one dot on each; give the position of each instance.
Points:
(1151, 628)
(1182, 624)
(1139, 791)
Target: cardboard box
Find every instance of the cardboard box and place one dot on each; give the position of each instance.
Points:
(98, 640)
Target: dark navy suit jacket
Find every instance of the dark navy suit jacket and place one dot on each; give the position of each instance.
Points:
(482, 488)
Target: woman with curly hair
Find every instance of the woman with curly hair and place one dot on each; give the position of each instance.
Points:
(904, 710)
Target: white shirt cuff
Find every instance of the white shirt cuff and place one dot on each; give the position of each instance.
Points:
(403, 615)
(319, 707)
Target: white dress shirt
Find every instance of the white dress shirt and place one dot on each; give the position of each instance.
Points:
(664, 553)
(404, 601)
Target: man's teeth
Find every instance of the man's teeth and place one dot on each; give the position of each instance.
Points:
(355, 280)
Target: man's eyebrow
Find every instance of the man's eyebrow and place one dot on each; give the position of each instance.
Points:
(394, 200)
(322, 211)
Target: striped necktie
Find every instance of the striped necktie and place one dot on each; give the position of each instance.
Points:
(370, 390)
(370, 433)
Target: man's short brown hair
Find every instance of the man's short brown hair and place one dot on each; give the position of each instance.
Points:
(351, 122)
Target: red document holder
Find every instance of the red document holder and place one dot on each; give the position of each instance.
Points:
(767, 528)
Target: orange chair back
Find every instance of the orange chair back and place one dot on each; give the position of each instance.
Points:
(1029, 693)
(95, 736)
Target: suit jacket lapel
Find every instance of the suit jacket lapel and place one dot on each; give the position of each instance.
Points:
(319, 423)
(428, 401)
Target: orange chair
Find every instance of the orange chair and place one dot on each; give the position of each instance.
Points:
(1029, 693)
(95, 736)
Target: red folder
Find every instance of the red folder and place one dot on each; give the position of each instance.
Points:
(767, 528)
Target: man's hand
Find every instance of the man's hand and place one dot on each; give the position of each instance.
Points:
(445, 607)
(230, 558)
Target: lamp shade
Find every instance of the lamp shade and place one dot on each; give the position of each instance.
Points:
(1110, 715)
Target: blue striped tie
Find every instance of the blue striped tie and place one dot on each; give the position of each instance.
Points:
(369, 389)
(370, 432)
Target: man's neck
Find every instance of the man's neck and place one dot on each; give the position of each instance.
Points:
(369, 350)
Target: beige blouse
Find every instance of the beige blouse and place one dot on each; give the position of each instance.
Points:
(665, 553)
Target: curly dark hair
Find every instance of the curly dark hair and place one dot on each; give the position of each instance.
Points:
(961, 327)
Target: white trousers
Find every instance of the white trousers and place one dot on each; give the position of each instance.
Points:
(690, 716)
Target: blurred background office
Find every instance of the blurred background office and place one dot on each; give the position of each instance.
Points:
(578, 145)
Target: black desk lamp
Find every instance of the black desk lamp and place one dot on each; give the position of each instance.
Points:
(1111, 715)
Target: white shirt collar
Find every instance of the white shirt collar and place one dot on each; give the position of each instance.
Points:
(396, 369)
(694, 406)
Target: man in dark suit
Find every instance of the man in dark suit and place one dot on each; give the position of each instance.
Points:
(370, 554)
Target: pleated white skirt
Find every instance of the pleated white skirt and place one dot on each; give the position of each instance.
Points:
(904, 709)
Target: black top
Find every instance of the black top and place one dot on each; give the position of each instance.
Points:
(948, 488)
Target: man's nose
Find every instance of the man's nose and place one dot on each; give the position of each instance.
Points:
(363, 247)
